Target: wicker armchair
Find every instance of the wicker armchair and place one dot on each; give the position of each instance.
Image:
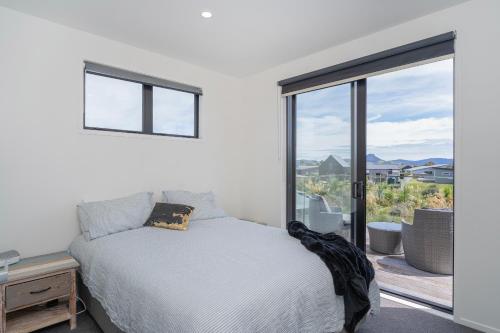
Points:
(428, 242)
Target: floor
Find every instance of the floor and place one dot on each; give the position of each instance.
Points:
(392, 272)
(394, 317)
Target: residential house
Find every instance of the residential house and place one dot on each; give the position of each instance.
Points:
(439, 173)
(334, 165)
(383, 172)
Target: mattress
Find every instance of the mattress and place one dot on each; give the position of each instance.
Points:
(221, 275)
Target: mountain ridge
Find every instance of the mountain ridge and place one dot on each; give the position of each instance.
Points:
(372, 158)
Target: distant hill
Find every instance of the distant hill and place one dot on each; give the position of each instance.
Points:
(307, 162)
(372, 158)
(434, 160)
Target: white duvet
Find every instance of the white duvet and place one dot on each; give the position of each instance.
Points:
(221, 275)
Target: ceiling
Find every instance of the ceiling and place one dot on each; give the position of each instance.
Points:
(242, 37)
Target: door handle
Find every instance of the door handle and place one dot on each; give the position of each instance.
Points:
(358, 190)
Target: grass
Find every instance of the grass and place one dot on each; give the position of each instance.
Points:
(384, 202)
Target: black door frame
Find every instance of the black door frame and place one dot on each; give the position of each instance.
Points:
(291, 148)
(358, 163)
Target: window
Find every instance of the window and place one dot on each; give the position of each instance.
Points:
(122, 101)
(173, 112)
(112, 103)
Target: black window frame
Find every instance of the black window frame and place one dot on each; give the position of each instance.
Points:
(147, 99)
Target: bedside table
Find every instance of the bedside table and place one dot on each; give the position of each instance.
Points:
(39, 292)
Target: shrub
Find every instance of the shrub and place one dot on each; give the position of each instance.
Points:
(316, 187)
(435, 201)
(383, 202)
(430, 191)
(388, 197)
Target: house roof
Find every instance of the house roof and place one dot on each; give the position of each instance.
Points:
(339, 160)
(307, 167)
(445, 167)
(435, 166)
(373, 166)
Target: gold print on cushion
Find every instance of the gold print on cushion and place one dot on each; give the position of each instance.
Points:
(170, 216)
(174, 225)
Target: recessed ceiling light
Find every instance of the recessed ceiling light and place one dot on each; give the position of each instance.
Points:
(206, 14)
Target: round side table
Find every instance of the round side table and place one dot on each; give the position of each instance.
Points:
(385, 237)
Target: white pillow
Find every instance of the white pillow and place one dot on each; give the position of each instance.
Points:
(204, 203)
(101, 218)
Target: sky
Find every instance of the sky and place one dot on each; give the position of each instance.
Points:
(409, 116)
(117, 104)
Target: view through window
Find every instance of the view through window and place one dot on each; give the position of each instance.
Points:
(410, 178)
(323, 170)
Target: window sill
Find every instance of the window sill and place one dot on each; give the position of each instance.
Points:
(140, 135)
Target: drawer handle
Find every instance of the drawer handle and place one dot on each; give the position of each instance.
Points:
(40, 291)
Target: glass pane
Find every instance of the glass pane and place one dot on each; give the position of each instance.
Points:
(410, 172)
(112, 103)
(173, 112)
(323, 176)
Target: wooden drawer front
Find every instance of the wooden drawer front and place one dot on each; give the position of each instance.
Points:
(36, 291)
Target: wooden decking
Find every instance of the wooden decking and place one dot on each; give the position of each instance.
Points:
(393, 273)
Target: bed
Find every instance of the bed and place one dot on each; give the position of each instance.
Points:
(221, 275)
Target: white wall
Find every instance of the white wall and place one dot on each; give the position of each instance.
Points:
(477, 265)
(48, 165)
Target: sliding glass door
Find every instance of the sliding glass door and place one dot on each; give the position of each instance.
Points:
(372, 161)
(326, 170)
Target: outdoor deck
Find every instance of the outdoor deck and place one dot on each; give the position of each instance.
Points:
(394, 273)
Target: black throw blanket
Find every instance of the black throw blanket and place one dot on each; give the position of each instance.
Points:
(351, 270)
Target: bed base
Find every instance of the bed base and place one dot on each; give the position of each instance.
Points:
(97, 312)
(95, 309)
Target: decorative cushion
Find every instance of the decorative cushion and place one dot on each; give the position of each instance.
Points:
(170, 216)
(204, 203)
(101, 218)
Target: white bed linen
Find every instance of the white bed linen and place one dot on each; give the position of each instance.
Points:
(221, 275)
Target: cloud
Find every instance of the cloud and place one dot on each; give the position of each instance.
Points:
(326, 102)
(415, 139)
(421, 131)
(173, 112)
(418, 92)
(408, 107)
(319, 137)
(111, 103)
(373, 117)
